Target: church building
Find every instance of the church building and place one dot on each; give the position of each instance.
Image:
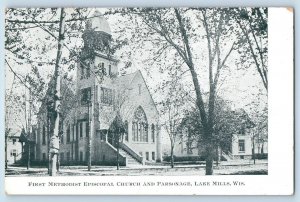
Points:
(102, 98)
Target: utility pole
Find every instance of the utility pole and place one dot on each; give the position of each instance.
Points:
(89, 135)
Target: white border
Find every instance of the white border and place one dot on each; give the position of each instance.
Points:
(279, 181)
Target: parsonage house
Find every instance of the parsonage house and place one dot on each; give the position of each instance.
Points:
(240, 145)
(102, 95)
(14, 147)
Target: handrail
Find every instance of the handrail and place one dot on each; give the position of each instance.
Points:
(132, 153)
(112, 147)
(229, 155)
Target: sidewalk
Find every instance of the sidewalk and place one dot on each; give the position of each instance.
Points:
(225, 167)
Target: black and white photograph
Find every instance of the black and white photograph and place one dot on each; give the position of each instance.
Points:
(136, 91)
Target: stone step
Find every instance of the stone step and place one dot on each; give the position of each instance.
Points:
(130, 159)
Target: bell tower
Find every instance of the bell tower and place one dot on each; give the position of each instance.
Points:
(97, 36)
(96, 52)
(94, 73)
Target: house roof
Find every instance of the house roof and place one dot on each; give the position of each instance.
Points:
(243, 118)
(14, 134)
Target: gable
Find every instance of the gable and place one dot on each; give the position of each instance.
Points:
(139, 79)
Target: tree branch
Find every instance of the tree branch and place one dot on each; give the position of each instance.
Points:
(24, 83)
(254, 57)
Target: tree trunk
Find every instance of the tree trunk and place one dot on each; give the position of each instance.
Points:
(53, 164)
(28, 156)
(58, 162)
(6, 136)
(217, 153)
(54, 144)
(48, 141)
(172, 155)
(29, 131)
(118, 150)
(49, 162)
(209, 159)
(253, 150)
(207, 126)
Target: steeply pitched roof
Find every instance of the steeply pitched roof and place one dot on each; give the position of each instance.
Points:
(125, 81)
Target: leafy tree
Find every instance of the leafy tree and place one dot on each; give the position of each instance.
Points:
(118, 127)
(171, 34)
(225, 125)
(258, 113)
(171, 108)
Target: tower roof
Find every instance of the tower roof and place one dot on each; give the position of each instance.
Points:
(98, 23)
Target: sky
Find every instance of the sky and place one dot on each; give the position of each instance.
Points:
(239, 86)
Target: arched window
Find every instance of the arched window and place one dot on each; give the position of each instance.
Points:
(109, 70)
(44, 135)
(140, 126)
(126, 130)
(134, 131)
(146, 135)
(152, 133)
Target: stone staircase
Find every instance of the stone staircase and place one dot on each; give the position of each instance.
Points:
(130, 160)
(227, 156)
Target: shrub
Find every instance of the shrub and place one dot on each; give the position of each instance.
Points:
(184, 158)
(260, 156)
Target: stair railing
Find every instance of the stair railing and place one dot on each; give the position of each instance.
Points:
(132, 153)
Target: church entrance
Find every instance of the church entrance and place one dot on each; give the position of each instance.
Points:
(116, 131)
(112, 138)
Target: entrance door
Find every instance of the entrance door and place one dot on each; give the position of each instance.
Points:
(112, 139)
